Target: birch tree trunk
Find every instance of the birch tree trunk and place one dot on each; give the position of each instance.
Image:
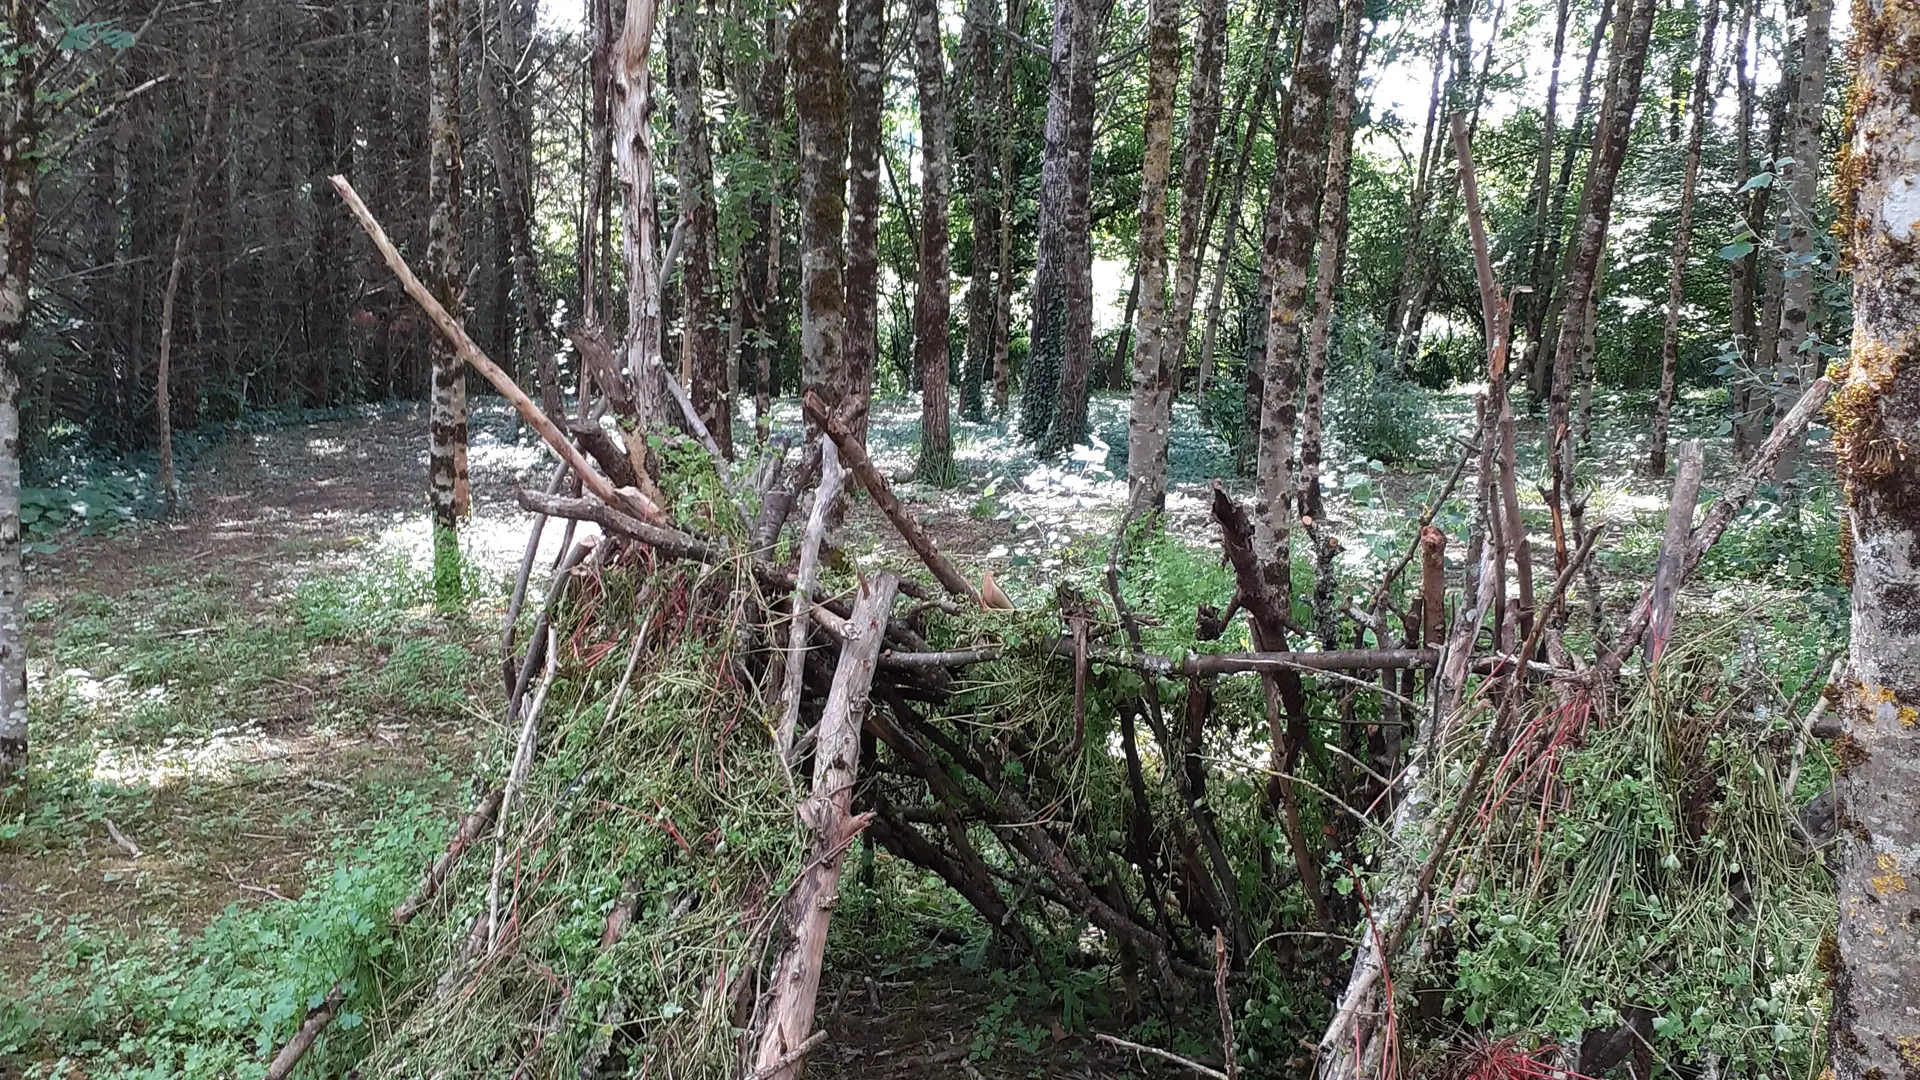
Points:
(446, 276)
(1329, 255)
(1799, 353)
(1302, 145)
(1590, 234)
(1203, 125)
(1155, 354)
(707, 386)
(931, 299)
(820, 100)
(19, 173)
(1700, 108)
(978, 43)
(866, 80)
(1876, 980)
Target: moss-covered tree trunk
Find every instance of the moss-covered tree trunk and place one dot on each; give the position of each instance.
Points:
(820, 100)
(866, 79)
(1699, 107)
(1155, 354)
(1293, 215)
(1876, 983)
(1054, 398)
(707, 362)
(932, 301)
(19, 172)
(1003, 287)
(446, 276)
(1799, 354)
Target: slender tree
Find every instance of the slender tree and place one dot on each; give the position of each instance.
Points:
(1541, 191)
(631, 116)
(706, 360)
(1229, 240)
(1054, 397)
(866, 80)
(1003, 291)
(19, 173)
(762, 286)
(977, 42)
(1700, 108)
(932, 298)
(1203, 124)
(1301, 145)
(1876, 980)
(820, 100)
(1741, 270)
(447, 277)
(1156, 356)
(1329, 252)
(1799, 179)
(1590, 234)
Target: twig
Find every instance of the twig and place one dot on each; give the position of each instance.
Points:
(516, 777)
(787, 1059)
(1222, 1001)
(1164, 1055)
(1806, 731)
(310, 1029)
(120, 839)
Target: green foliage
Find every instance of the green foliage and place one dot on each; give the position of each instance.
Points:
(213, 1005)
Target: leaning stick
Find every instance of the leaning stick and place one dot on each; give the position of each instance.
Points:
(910, 528)
(824, 498)
(469, 353)
(303, 1040)
(1164, 1055)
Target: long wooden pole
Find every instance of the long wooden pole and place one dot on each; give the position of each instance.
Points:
(470, 354)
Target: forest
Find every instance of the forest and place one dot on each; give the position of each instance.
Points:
(1351, 539)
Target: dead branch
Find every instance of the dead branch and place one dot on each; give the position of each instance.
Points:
(470, 353)
(471, 826)
(869, 476)
(1164, 1055)
(824, 498)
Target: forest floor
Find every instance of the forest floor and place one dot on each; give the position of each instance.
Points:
(232, 705)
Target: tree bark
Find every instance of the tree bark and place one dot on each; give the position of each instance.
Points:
(1542, 189)
(820, 100)
(1003, 290)
(1398, 295)
(1876, 414)
(162, 398)
(1210, 333)
(1155, 355)
(866, 79)
(931, 298)
(1053, 399)
(1302, 144)
(978, 43)
(1330, 253)
(1203, 125)
(700, 321)
(763, 248)
(1590, 235)
(1741, 271)
(1799, 352)
(1700, 107)
(639, 228)
(794, 982)
(1545, 302)
(447, 277)
(20, 174)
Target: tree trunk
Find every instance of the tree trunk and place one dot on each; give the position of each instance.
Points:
(820, 100)
(1876, 980)
(19, 173)
(1398, 297)
(1155, 355)
(447, 277)
(1741, 271)
(1003, 290)
(1699, 108)
(598, 169)
(1210, 334)
(632, 113)
(978, 42)
(1053, 399)
(1120, 371)
(1203, 124)
(162, 398)
(1302, 145)
(763, 247)
(1329, 254)
(1545, 301)
(1590, 235)
(1799, 352)
(1542, 189)
(931, 297)
(700, 324)
(866, 76)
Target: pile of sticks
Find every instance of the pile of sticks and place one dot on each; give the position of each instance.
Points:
(988, 806)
